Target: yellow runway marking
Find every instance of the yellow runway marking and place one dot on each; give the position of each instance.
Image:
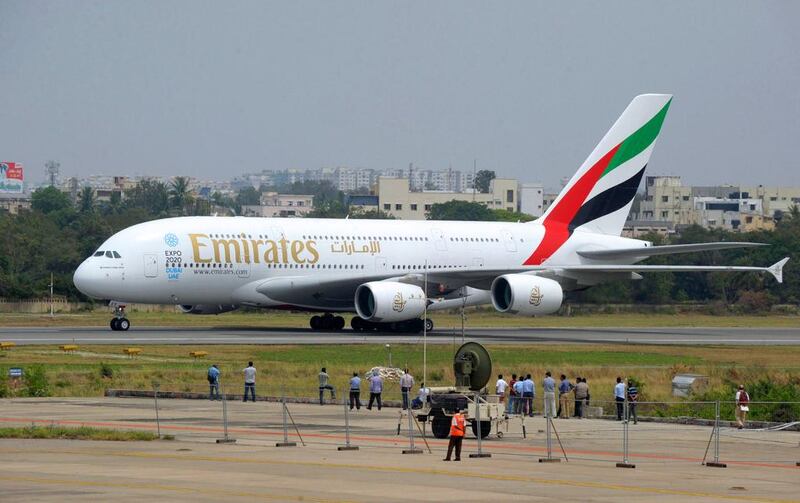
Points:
(420, 471)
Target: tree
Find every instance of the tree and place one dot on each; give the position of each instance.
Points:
(483, 180)
(151, 195)
(248, 196)
(50, 199)
(461, 210)
(512, 216)
(180, 194)
(86, 200)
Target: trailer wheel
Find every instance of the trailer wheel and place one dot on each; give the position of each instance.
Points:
(486, 428)
(440, 425)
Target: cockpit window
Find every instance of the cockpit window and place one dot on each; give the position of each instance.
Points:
(98, 253)
(108, 254)
(116, 255)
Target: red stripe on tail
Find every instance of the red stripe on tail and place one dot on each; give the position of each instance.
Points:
(556, 224)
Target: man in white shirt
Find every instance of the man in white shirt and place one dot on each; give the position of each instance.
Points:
(500, 387)
(250, 381)
(619, 397)
(406, 383)
(422, 397)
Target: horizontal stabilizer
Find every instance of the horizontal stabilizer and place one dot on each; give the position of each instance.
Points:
(652, 251)
(776, 269)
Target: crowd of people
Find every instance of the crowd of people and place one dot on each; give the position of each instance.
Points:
(561, 399)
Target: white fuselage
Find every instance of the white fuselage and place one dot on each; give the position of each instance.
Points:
(222, 260)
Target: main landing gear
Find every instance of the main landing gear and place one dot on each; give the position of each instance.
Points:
(407, 326)
(119, 322)
(327, 322)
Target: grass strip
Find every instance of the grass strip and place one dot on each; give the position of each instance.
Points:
(79, 433)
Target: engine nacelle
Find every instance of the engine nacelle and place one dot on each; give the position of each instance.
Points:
(526, 294)
(388, 301)
(208, 308)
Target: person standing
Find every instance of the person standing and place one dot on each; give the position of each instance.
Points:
(633, 397)
(500, 388)
(549, 389)
(375, 389)
(250, 381)
(406, 383)
(742, 406)
(581, 396)
(619, 397)
(512, 395)
(324, 384)
(458, 427)
(519, 401)
(528, 395)
(355, 391)
(564, 389)
(213, 383)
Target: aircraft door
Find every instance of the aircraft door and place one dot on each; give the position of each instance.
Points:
(508, 241)
(150, 265)
(381, 265)
(439, 240)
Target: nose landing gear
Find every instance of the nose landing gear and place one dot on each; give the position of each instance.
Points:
(119, 322)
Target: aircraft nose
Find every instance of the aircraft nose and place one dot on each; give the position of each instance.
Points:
(87, 279)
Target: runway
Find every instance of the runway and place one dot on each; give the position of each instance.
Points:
(228, 335)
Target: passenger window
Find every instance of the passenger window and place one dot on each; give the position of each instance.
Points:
(108, 254)
(98, 254)
(116, 255)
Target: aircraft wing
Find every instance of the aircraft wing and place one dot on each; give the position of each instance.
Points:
(652, 251)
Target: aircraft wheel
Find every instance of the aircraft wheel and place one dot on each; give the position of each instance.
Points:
(124, 324)
(357, 324)
(316, 322)
(428, 324)
(114, 324)
(338, 323)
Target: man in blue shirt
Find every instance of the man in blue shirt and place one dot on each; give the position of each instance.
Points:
(213, 383)
(518, 400)
(375, 389)
(355, 391)
(528, 395)
(549, 389)
(564, 389)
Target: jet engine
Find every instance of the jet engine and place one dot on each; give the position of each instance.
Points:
(389, 301)
(526, 294)
(208, 308)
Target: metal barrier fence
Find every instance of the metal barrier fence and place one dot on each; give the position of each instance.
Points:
(701, 433)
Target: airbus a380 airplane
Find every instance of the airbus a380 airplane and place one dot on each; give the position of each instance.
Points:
(380, 268)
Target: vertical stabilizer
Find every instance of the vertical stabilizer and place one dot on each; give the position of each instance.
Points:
(599, 196)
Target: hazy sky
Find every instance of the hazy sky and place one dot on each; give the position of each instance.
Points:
(215, 89)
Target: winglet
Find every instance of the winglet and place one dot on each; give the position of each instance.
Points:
(776, 269)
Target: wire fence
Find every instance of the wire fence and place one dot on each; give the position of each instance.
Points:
(626, 433)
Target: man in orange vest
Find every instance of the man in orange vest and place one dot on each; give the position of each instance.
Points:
(457, 429)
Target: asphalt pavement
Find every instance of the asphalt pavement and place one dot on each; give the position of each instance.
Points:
(224, 335)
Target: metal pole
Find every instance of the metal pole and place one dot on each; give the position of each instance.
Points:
(226, 439)
(155, 397)
(625, 463)
(411, 449)
(51, 300)
(715, 435)
(346, 446)
(424, 332)
(463, 305)
(479, 429)
(285, 442)
(550, 426)
(716, 429)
